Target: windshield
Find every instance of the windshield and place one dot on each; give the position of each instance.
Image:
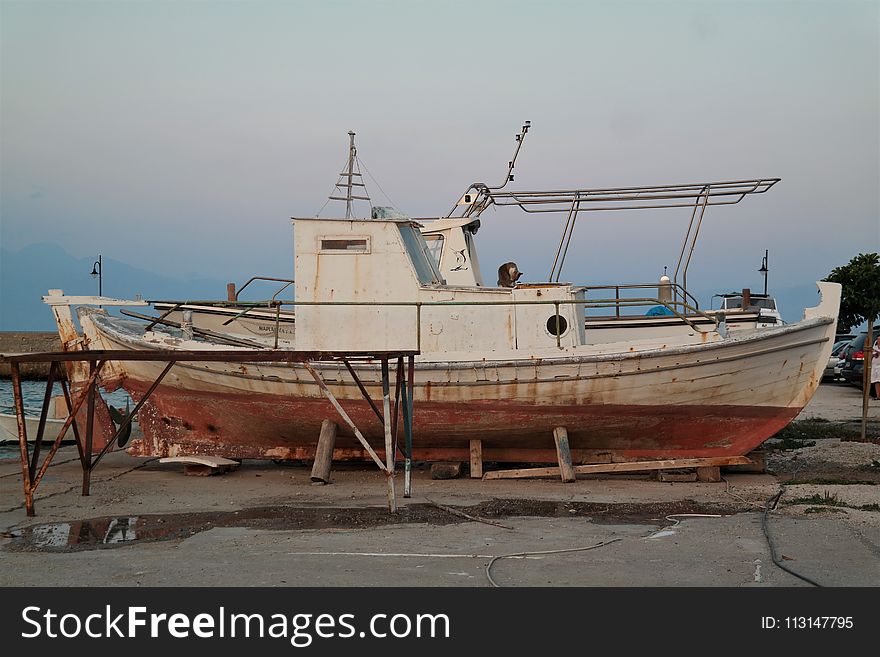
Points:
(435, 246)
(730, 303)
(420, 255)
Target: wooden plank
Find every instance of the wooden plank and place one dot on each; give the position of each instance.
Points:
(476, 453)
(202, 466)
(324, 452)
(563, 455)
(758, 464)
(634, 466)
(210, 461)
(389, 445)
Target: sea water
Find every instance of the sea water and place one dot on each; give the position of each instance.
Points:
(32, 392)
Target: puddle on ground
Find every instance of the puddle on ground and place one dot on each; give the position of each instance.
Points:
(116, 531)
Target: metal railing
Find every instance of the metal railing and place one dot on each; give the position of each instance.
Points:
(288, 282)
(679, 309)
(677, 290)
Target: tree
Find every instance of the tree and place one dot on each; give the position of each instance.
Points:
(860, 302)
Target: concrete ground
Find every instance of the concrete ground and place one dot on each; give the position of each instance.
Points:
(265, 524)
(839, 402)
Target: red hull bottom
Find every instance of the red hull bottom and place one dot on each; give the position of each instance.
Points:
(248, 425)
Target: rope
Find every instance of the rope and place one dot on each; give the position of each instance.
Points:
(390, 200)
(765, 527)
(529, 554)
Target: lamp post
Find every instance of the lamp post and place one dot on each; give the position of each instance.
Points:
(764, 270)
(97, 272)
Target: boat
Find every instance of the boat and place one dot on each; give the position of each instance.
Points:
(760, 308)
(498, 365)
(9, 428)
(506, 366)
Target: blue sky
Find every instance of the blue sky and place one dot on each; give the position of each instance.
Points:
(180, 137)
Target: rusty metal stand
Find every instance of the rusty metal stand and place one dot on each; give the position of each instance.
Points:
(408, 425)
(31, 476)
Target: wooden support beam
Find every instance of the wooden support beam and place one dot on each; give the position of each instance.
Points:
(324, 452)
(563, 455)
(476, 459)
(389, 443)
(344, 415)
(633, 466)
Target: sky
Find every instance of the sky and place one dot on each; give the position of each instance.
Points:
(180, 137)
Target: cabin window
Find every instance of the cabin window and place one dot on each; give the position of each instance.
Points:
(435, 246)
(422, 260)
(345, 245)
(731, 303)
(554, 322)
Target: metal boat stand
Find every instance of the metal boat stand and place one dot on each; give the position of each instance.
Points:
(32, 471)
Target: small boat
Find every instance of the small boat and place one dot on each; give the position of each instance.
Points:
(9, 428)
(759, 310)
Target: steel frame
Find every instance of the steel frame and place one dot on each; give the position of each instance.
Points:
(32, 475)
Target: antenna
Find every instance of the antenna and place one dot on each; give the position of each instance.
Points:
(349, 179)
(519, 142)
(480, 199)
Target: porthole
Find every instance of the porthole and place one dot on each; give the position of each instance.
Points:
(553, 322)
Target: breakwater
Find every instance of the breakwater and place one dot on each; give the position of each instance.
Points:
(18, 342)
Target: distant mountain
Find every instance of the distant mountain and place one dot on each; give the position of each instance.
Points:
(26, 275)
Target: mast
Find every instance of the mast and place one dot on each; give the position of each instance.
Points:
(349, 179)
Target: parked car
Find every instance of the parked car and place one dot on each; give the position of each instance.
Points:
(841, 360)
(833, 360)
(853, 366)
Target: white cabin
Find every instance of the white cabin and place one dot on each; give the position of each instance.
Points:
(375, 285)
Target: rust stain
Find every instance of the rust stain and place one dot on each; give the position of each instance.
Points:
(247, 425)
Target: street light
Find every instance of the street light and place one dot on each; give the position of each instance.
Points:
(97, 272)
(764, 270)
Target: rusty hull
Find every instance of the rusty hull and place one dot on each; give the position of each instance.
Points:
(251, 425)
